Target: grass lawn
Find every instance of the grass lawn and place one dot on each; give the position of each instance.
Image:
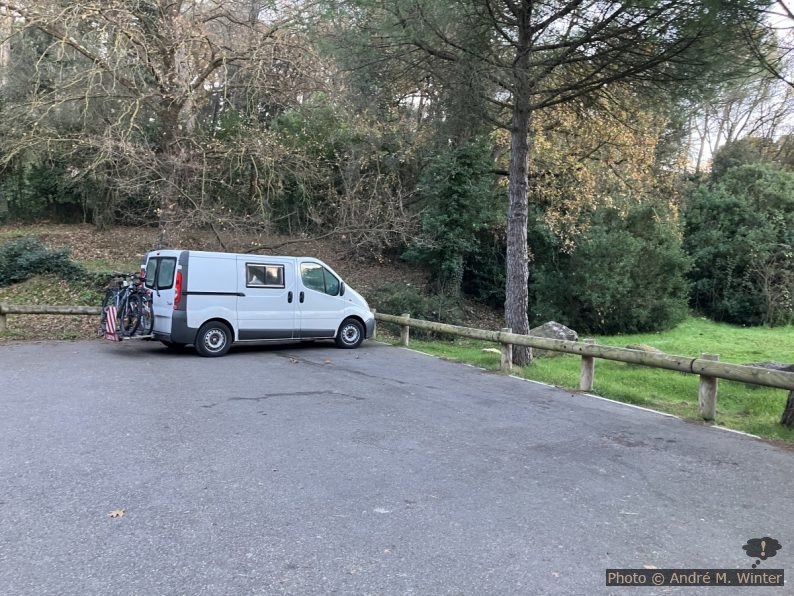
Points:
(742, 407)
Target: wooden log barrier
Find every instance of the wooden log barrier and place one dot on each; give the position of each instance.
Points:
(48, 309)
(698, 366)
(42, 309)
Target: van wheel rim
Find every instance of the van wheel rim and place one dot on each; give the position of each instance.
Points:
(214, 340)
(350, 334)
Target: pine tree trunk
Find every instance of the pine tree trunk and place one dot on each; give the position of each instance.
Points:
(517, 286)
(517, 290)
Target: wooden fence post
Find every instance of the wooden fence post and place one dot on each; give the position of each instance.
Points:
(3, 321)
(374, 325)
(707, 393)
(587, 370)
(788, 414)
(405, 331)
(507, 352)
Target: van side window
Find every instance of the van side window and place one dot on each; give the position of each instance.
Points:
(316, 277)
(331, 283)
(264, 276)
(312, 277)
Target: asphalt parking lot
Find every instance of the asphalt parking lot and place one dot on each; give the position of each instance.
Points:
(312, 470)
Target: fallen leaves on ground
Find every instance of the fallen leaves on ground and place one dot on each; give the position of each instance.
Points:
(117, 513)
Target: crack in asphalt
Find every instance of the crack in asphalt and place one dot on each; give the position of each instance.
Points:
(295, 394)
(301, 360)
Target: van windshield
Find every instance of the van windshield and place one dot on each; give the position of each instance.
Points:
(160, 273)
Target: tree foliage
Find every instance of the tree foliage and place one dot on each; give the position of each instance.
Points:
(625, 274)
(462, 207)
(740, 232)
(122, 89)
(441, 131)
(778, 152)
(523, 57)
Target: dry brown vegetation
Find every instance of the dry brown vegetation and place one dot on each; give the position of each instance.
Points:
(121, 248)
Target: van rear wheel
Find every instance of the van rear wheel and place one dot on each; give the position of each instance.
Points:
(213, 339)
(350, 335)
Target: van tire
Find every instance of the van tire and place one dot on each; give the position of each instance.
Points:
(213, 339)
(350, 334)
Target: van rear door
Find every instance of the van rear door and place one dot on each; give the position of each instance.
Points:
(160, 278)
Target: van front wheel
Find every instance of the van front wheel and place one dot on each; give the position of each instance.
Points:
(350, 335)
(213, 339)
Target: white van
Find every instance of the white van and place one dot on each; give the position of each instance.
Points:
(212, 299)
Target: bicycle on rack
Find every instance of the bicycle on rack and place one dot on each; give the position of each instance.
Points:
(126, 308)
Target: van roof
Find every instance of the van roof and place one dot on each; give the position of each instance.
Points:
(173, 252)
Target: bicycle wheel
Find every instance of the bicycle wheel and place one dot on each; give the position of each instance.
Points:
(147, 316)
(131, 315)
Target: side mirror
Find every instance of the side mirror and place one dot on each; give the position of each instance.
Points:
(342, 288)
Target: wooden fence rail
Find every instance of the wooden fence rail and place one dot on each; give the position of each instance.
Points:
(43, 309)
(707, 366)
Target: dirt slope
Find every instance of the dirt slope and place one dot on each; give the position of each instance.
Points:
(122, 248)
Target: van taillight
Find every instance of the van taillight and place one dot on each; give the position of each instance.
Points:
(178, 289)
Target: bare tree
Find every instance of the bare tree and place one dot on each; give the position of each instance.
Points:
(138, 75)
(6, 28)
(760, 105)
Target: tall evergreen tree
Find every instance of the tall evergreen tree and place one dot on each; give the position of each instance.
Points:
(520, 57)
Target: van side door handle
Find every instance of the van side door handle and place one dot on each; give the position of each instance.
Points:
(301, 297)
(289, 297)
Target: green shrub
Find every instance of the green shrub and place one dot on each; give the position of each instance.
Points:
(625, 275)
(484, 269)
(22, 258)
(462, 208)
(753, 150)
(740, 232)
(397, 298)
